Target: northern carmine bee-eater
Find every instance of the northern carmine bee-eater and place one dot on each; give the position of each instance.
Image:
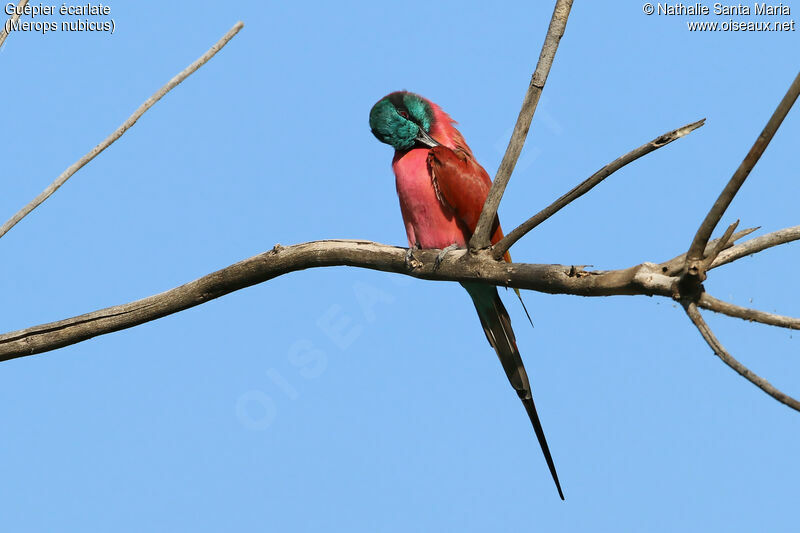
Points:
(442, 190)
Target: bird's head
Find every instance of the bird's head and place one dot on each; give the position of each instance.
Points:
(403, 120)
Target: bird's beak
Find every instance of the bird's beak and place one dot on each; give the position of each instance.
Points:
(426, 140)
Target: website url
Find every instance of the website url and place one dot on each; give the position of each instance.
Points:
(738, 25)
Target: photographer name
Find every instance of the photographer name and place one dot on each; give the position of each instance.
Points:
(757, 9)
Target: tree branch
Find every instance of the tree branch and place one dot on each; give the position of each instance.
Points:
(706, 301)
(15, 17)
(171, 84)
(725, 198)
(459, 265)
(508, 241)
(728, 359)
(558, 23)
(758, 244)
(643, 279)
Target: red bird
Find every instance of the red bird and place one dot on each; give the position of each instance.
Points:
(442, 190)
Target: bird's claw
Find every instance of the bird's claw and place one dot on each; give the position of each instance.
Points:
(411, 261)
(441, 255)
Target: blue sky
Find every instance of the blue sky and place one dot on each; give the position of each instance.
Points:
(250, 413)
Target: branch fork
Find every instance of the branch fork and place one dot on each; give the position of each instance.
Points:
(699, 259)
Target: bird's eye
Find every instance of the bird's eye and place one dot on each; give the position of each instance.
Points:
(403, 114)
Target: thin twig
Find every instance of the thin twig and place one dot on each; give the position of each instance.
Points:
(722, 243)
(725, 198)
(558, 23)
(728, 359)
(15, 17)
(508, 241)
(758, 244)
(706, 301)
(171, 84)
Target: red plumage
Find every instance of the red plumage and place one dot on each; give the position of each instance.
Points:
(442, 197)
(442, 191)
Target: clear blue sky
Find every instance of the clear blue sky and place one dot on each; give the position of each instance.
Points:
(249, 414)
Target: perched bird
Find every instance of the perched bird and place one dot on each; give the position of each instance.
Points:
(442, 190)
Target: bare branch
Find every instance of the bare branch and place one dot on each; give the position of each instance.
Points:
(558, 23)
(456, 266)
(15, 17)
(728, 359)
(460, 265)
(726, 196)
(508, 241)
(171, 84)
(758, 244)
(706, 301)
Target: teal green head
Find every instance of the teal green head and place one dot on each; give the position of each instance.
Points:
(403, 120)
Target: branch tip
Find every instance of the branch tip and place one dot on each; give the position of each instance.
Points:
(108, 141)
(680, 132)
(588, 184)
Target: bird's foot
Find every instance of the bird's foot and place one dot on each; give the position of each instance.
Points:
(411, 261)
(441, 255)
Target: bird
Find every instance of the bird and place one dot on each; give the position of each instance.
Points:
(442, 189)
